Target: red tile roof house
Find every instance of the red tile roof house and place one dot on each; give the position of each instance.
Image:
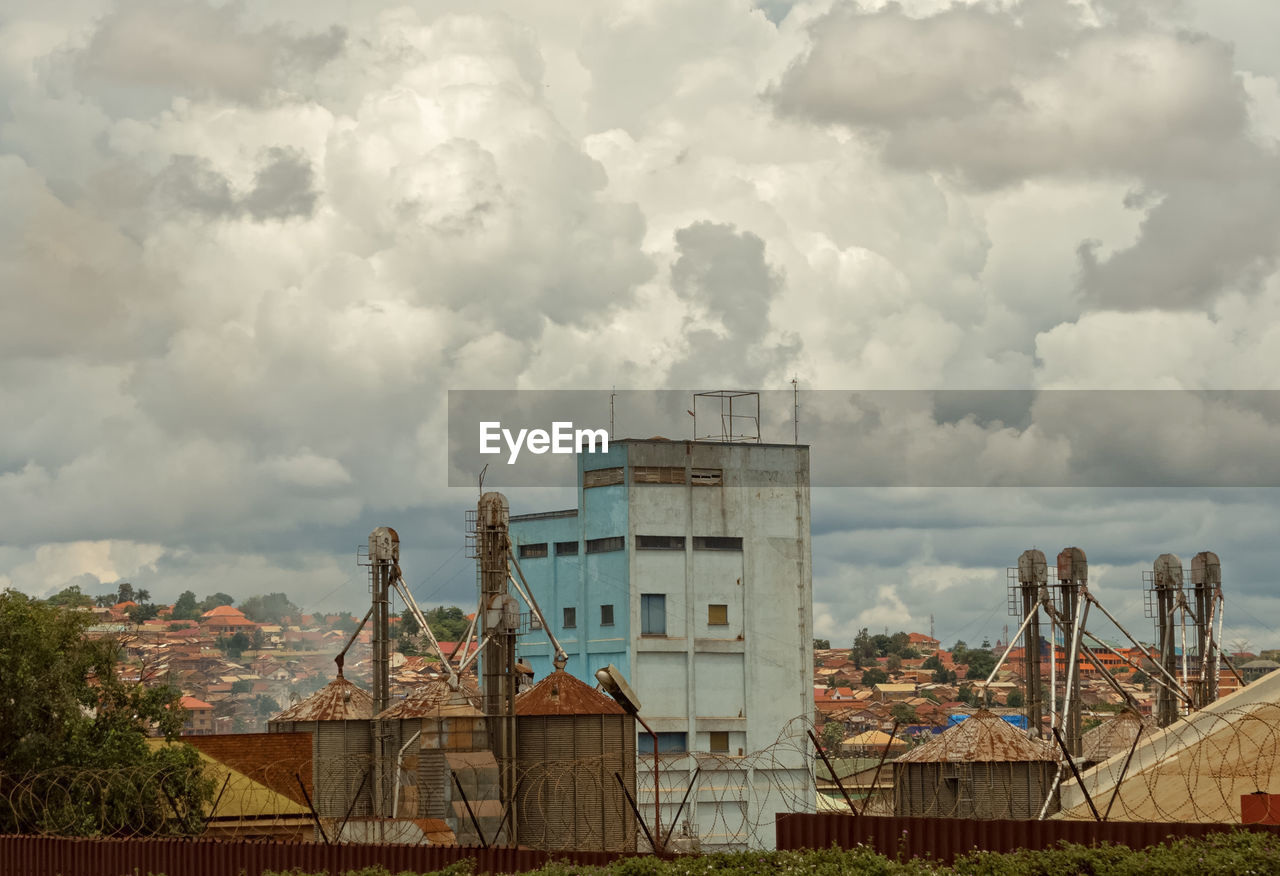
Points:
(199, 717)
(226, 620)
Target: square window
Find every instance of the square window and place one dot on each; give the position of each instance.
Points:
(719, 741)
(606, 615)
(653, 614)
(570, 618)
(717, 615)
(668, 743)
(566, 548)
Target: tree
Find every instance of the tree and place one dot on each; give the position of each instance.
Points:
(346, 622)
(142, 612)
(1014, 700)
(893, 662)
(449, 623)
(185, 608)
(264, 706)
(863, 647)
(71, 597)
(980, 664)
(903, 713)
(832, 736)
(931, 662)
(1141, 678)
(124, 592)
(944, 676)
(209, 603)
(270, 609)
(66, 711)
(874, 676)
(821, 644)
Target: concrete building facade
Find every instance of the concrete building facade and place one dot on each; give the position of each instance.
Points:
(687, 565)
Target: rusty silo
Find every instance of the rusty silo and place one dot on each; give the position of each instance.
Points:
(338, 717)
(983, 767)
(573, 743)
(441, 733)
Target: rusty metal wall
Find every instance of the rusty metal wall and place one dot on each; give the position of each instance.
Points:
(51, 856)
(945, 839)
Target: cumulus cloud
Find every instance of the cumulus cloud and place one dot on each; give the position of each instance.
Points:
(246, 247)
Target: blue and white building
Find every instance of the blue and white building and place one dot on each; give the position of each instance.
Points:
(687, 565)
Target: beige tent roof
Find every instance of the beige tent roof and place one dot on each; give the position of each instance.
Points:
(1196, 769)
(873, 738)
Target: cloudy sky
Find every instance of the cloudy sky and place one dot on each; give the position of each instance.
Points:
(246, 248)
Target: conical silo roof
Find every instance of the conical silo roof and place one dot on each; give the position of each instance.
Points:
(339, 700)
(982, 738)
(1114, 737)
(562, 694)
(436, 699)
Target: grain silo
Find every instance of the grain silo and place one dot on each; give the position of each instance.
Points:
(572, 744)
(441, 734)
(338, 717)
(983, 767)
(1113, 737)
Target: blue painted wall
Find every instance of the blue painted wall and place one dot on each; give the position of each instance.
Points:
(584, 582)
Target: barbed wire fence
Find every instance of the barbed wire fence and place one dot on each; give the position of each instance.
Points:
(1195, 770)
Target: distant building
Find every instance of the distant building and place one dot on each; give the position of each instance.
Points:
(199, 717)
(687, 565)
(225, 620)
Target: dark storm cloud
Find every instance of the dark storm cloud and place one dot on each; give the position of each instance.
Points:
(283, 188)
(724, 273)
(998, 95)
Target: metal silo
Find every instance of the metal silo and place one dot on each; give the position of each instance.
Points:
(338, 718)
(572, 744)
(983, 767)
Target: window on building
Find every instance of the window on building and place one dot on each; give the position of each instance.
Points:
(570, 618)
(566, 548)
(533, 550)
(719, 741)
(653, 614)
(606, 615)
(654, 474)
(717, 615)
(659, 542)
(668, 743)
(601, 477)
(605, 545)
(706, 477)
(717, 543)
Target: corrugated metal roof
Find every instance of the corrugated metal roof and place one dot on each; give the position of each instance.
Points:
(339, 700)
(1113, 737)
(562, 694)
(983, 738)
(436, 699)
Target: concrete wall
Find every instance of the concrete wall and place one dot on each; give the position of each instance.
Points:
(748, 677)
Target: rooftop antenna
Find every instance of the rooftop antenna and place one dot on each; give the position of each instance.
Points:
(795, 411)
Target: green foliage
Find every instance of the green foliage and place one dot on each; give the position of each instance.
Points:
(821, 644)
(209, 603)
(1227, 853)
(832, 735)
(241, 685)
(874, 676)
(903, 713)
(185, 608)
(980, 663)
(1015, 700)
(449, 623)
(931, 662)
(66, 717)
(270, 609)
(143, 612)
(71, 597)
